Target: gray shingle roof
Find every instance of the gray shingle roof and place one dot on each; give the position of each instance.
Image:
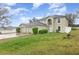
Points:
(37, 23)
(54, 16)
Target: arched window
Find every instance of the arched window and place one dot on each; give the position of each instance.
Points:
(49, 22)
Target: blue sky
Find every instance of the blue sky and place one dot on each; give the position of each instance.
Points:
(22, 12)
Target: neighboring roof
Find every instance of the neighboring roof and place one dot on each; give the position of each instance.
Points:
(37, 23)
(7, 28)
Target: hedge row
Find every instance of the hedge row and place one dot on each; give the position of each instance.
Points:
(43, 31)
(35, 31)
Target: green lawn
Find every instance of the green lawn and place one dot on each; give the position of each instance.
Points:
(44, 44)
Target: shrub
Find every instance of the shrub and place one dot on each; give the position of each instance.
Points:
(43, 31)
(18, 30)
(35, 30)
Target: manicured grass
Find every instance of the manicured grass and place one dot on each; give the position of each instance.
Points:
(44, 44)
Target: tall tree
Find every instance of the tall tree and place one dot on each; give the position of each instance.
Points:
(30, 21)
(34, 19)
(71, 18)
(4, 18)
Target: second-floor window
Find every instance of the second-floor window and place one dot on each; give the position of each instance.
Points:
(49, 22)
(58, 20)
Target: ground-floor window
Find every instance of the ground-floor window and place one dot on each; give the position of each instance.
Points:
(59, 28)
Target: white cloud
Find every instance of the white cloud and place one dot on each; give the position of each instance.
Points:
(2, 5)
(60, 11)
(10, 4)
(36, 5)
(18, 11)
(38, 17)
(48, 14)
(55, 5)
(9, 8)
(57, 9)
(24, 19)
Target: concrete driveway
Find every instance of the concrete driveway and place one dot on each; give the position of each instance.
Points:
(4, 36)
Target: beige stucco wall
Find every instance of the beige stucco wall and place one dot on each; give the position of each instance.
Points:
(29, 30)
(63, 24)
(26, 30)
(23, 30)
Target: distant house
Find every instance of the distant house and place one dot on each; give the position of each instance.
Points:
(7, 30)
(75, 26)
(52, 23)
